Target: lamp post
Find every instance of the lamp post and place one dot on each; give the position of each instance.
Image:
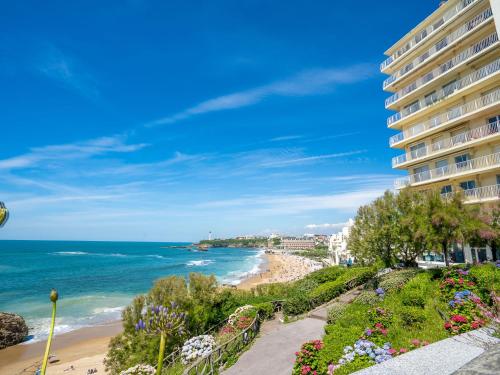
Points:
(4, 214)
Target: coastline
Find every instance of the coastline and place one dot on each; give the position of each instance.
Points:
(86, 348)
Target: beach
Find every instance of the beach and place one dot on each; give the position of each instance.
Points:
(280, 267)
(86, 348)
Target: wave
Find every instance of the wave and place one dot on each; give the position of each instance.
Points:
(199, 263)
(70, 253)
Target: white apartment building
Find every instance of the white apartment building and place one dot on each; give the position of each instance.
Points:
(337, 246)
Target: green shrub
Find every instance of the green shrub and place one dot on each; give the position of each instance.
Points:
(413, 298)
(395, 280)
(411, 316)
(348, 280)
(368, 297)
(296, 304)
(326, 274)
(265, 310)
(336, 311)
(487, 276)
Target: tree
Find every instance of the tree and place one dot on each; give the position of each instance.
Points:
(372, 236)
(488, 228)
(449, 221)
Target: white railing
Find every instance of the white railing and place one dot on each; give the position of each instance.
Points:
(452, 115)
(427, 32)
(485, 131)
(462, 58)
(466, 29)
(487, 161)
(478, 194)
(443, 93)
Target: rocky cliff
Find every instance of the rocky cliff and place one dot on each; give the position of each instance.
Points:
(13, 329)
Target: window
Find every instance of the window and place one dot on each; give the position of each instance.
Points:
(410, 108)
(430, 98)
(468, 185)
(442, 167)
(446, 189)
(494, 119)
(418, 150)
(438, 24)
(424, 57)
(498, 179)
(462, 158)
(450, 87)
(421, 173)
(441, 44)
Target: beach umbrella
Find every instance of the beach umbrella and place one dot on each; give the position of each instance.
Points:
(4, 214)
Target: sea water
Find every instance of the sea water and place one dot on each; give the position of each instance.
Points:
(96, 280)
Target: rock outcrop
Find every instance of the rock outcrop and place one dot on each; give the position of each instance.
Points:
(13, 329)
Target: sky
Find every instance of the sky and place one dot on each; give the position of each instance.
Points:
(151, 120)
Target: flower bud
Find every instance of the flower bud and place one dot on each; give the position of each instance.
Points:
(54, 295)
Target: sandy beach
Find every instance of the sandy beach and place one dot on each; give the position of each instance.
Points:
(86, 348)
(83, 349)
(280, 267)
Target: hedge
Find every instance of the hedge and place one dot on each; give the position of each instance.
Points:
(350, 279)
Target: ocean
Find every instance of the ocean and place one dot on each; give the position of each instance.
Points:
(96, 280)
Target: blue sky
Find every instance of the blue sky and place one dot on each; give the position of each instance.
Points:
(154, 120)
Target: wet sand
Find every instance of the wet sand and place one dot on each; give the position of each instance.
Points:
(84, 349)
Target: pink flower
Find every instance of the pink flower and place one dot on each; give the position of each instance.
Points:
(403, 350)
(383, 331)
(415, 342)
(425, 343)
(459, 319)
(391, 351)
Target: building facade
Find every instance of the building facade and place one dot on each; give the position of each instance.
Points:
(444, 85)
(297, 243)
(337, 246)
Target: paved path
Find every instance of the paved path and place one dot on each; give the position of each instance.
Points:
(440, 358)
(274, 351)
(486, 364)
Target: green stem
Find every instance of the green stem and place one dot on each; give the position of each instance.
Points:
(49, 340)
(161, 354)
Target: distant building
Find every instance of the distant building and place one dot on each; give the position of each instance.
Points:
(337, 246)
(297, 243)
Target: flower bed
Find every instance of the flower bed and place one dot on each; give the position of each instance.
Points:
(139, 370)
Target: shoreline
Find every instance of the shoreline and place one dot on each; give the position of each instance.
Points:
(86, 348)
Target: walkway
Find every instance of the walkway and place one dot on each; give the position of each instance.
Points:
(441, 358)
(274, 351)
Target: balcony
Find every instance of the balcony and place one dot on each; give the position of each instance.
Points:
(465, 139)
(454, 170)
(480, 194)
(467, 81)
(461, 59)
(430, 30)
(454, 37)
(458, 113)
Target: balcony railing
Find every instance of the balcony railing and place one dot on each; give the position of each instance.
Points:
(478, 194)
(482, 132)
(463, 57)
(465, 29)
(427, 32)
(443, 93)
(487, 161)
(451, 115)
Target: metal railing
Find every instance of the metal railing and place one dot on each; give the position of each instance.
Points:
(482, 132)
(443, 93)
(487, 161)
(462, 58)
(451, 115)
(458, 34)
(477, 194)
(427, 32)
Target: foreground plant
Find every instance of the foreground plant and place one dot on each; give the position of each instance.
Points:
(53, 297)
(163, 321)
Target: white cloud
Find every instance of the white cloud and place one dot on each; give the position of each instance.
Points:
(309, 159)
(325, 225)
(56, 65)
(312, 82)
(77, 150)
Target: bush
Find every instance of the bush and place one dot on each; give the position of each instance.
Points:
(326, 274)
(296, 304)
(336, 311)
(487, 276)
(413, 298)
(395, 280)
(348, 280)
(411, 316)
(265, 310)
(368, 297)
(307, 359)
